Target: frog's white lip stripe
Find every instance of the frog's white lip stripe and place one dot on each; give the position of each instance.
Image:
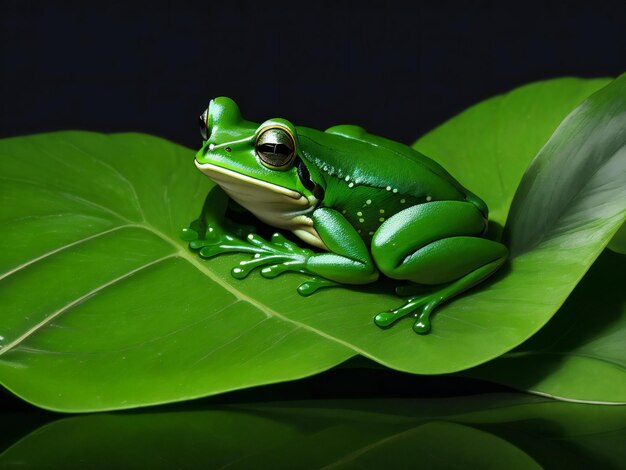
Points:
(210, 168)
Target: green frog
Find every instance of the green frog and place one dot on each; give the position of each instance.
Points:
(362, 204)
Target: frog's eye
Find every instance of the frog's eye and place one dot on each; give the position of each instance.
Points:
(204, 124)
(276, 147)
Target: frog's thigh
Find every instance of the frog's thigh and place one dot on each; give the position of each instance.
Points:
(434, 243)
(349, 260)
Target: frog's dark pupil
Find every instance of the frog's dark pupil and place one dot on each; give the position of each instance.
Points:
(275, 150)
(275, 154)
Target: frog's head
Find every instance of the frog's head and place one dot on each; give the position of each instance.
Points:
(257, 165)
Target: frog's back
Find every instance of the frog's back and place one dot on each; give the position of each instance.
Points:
(352, 155)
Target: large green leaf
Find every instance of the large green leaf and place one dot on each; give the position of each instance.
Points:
(573, 181)
(555, 222)
(104, 308)
(489, 146)
(557, 227)
(581, 353)
(102, 305)
(492, 431)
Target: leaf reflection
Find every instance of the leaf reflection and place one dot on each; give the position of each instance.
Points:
(486, 431)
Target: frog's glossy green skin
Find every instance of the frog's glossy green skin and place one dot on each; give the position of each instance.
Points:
(372, 205)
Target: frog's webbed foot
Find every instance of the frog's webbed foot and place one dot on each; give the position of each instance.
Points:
(420, 306)
(213, 233)
(274, 257)
(215, 240)
(277, 257)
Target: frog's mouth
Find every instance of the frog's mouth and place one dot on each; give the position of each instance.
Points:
(220, 174)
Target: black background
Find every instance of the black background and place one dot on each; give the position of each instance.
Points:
(397, 70)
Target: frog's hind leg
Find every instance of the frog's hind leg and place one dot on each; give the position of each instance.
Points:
(435, 244)
(422, 306)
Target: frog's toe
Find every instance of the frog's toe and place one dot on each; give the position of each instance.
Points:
(209, 251)
(280, 240)
(197, 244)
(422, 324)
(274, 270)
(306, 288)
(246, 267)
(385, 319)
(312, 286)
(239, 272)
(209, 240)
(421, 307)
(260, 243)
(189, 234)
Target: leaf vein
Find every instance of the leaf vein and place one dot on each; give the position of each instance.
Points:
(115, 171)
(78, 301)
(70, 196)
(232, 340)
(64, 247)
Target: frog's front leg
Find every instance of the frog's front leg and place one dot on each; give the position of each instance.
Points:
(434, 244)
(213, 233)
(347, 262)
